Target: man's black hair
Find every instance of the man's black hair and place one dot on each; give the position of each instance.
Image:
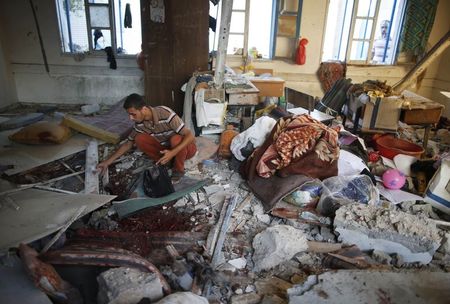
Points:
(134, 101)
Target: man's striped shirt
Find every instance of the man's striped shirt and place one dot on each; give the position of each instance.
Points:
(164, 125)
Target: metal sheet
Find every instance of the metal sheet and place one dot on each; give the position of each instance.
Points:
(41, 213)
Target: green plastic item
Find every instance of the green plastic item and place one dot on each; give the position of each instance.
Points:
(130, 206)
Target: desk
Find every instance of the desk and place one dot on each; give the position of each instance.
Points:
(316, 114)
(418, 110)
(268, 86)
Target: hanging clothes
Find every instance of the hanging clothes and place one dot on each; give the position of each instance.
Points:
(127, 20)
(110, 58)
(212, 23)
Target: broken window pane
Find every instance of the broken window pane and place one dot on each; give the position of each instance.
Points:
(101, 39)
(99, 16)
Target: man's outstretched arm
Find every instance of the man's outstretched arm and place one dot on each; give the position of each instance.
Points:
(124, 148)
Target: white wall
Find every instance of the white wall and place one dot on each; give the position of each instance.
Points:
(69, 81)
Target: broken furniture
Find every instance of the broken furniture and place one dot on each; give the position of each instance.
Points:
(241, 92)
(418, 110)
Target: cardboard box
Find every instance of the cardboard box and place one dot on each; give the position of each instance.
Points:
(381, 114)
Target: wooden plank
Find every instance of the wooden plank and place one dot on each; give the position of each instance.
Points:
(91, 182)
(243, 99)
(90, 130)
(223, 231)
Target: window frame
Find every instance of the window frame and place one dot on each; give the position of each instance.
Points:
(244, 34)
(90, 28)
(394, 44)
(91, 52)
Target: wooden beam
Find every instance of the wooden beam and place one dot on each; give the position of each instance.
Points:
(224, 31)
(91, 183)
(424, 63)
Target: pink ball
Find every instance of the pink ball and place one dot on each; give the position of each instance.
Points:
(393, 179)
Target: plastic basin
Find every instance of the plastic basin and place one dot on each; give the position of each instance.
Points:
(390, 146)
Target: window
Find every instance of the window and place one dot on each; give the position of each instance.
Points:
(92, 25)
(363, 31)
(250, 28)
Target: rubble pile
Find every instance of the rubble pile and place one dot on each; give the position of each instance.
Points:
(219, 238)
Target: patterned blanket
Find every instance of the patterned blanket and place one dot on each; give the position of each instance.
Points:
(295, 139)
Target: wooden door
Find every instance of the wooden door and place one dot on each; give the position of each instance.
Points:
(174, 48)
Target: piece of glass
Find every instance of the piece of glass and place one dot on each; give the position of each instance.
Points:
(359, 50)
(366, 8)
(128, 39)
(73, 26)
(337, 29)
(287, 26)
(238, 4)
(259, 28)
(237, 24)
(363, 29)
(100, 39)
(289, 6)
(235, 44)
(99, 16)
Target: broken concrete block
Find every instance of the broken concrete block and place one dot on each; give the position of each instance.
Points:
(445, 247)
(272, 299)
(248, 298)
(127, 286)
(238, 263)
(413, 237)
(381, 257)
(265, 218)
(182, 298)
(277, 244)
(327, 235)
(362, 286)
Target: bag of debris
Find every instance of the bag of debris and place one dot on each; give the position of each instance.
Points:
(157, 182)
(342, 190)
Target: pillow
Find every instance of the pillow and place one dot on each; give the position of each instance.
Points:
(42, 133)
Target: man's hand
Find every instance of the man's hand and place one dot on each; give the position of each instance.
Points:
(101, 167)
(167, 156)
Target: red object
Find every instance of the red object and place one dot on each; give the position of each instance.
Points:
(374, 157)
(150, 146)
(390, 146)
(300, 57)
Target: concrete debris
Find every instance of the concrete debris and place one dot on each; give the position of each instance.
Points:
(100, 220)
(127, 286)
(327, 235)
(183, 298)
(358, 286)
(445, 247)
(272, 299)
(414, 238)
(277, 244)
(265, 218)
(248, 298)
(381, 257)
(250, 288)
(239, 263)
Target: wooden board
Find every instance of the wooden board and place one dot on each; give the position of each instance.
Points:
(174, 49)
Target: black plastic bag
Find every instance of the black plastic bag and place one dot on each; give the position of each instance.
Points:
(157, 182)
